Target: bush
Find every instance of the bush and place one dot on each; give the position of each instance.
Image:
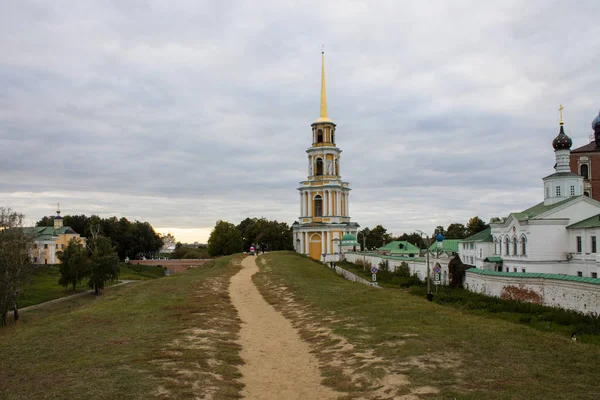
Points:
(384, 266)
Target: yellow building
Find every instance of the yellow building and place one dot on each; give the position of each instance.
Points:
(48, 241)
(324, 197)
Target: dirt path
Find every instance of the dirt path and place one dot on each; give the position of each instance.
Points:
(277, 363)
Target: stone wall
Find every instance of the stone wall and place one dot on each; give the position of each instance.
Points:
(416, 265)
(567, 292)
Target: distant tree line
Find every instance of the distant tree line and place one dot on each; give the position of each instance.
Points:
(130, 239)
(379, 236)
(227, 238)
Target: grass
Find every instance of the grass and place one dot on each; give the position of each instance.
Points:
(444, 350)
(44, 285)
(162, 338)
(543, 318)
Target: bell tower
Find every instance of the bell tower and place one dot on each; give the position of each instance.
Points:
(324, 197)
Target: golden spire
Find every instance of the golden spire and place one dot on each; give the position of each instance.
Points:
(323, 111)
(560, 110)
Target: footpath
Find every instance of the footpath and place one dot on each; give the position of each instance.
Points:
(277, 363)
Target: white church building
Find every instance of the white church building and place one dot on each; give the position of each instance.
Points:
(557, 236)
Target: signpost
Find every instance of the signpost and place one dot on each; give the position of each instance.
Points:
(437, 277)
(374, 275)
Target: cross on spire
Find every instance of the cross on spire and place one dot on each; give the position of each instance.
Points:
(560, 109)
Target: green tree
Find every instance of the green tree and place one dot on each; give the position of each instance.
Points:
(475, 225)
(74, 264)
(413, 238)
(224, 239)
(456, 231)
(374, 238)
(16, 267)
(439, 229)
(104, 262)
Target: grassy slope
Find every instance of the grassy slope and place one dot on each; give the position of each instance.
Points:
(466, 356)
(44, 284)
(128, 342)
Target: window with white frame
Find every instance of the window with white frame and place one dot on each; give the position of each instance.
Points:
(523, 245)
(572, 190)
(515, 246)
(558, 191)
(594, 244)
(507, 245)
(579, 249)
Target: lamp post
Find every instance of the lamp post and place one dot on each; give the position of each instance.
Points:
(427, 250)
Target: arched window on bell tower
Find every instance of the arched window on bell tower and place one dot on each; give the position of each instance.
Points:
(318, 206)
(332, 135)
(584, 171)
(319, 136)
(337, 167)
(319, 166)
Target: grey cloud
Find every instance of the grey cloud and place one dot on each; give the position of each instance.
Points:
(186, 112)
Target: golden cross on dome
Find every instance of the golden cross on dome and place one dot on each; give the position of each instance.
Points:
(560, 110)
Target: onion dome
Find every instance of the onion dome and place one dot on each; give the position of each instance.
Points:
(596, 122)
(562, 141)
(439, 237)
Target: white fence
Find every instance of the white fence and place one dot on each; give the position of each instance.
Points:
(563, 291)
(417, 266)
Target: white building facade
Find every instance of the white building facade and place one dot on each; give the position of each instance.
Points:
(556, 236)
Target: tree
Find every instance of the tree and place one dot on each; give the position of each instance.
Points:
(74, 264)
(456, 231)
(439, 229)
(475, 225)
(413, 238)
(104, 262)
(15, 260)
(224, 239)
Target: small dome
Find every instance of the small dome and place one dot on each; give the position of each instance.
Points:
(562, 141)
(439, 237)
(596, 122)
(349, 236)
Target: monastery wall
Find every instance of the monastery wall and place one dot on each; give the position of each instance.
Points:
(568, 294)
(416, 265)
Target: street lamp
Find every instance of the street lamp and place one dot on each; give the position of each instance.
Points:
(427, 250)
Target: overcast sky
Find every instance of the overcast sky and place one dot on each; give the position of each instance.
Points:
(181, 113)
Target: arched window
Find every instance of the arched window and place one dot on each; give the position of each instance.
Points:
(584, 171)
(337, 166)
(319, 136)
(319, 166)
(515, 246)
(318, 206)
(333, 136)
(507, 245)
(523, 245)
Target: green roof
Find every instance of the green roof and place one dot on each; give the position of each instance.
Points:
(591, 222)
(400, 247)
(493, 259)
(391, 257)
(483, 236)
(47, 232)
(538, 209)
(557, 277)
(447, 245)
(349, 240)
